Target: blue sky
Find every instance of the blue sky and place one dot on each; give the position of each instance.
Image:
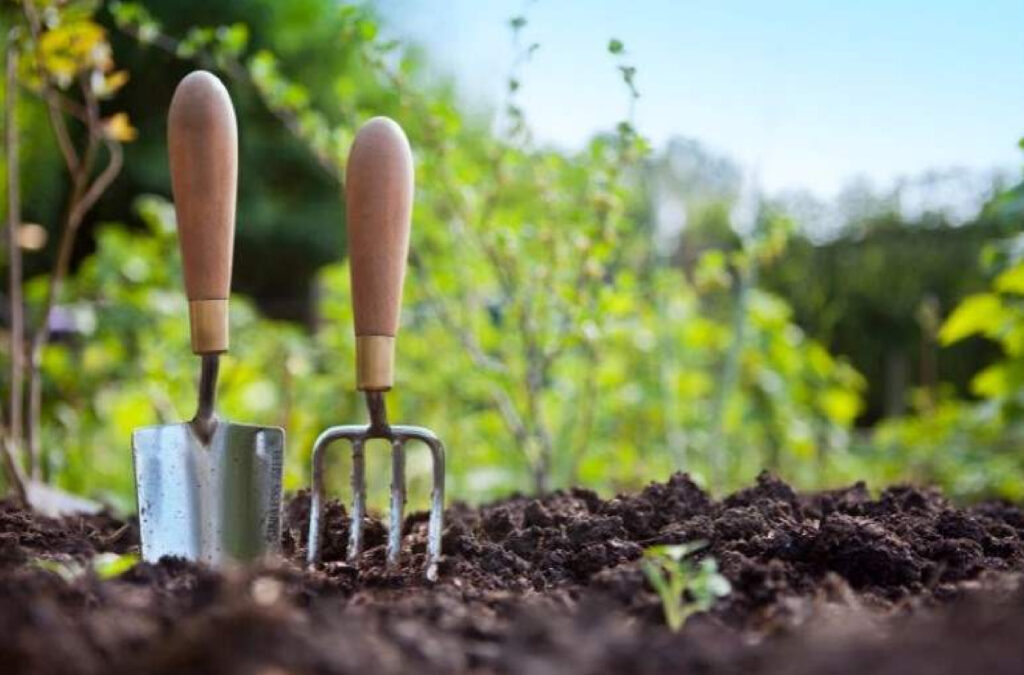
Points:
(811, 94)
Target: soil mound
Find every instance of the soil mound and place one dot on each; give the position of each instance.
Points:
(830, 582)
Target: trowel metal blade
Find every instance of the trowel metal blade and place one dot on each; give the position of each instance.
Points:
(208, 502)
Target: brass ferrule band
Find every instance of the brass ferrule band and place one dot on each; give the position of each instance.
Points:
(208, 320)
(375, 362)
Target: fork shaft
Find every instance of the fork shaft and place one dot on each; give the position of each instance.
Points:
(378, 410)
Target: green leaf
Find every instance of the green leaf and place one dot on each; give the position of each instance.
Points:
(1012, 280)
(672, 575)
(109, 565)
(233, 39)
(978, 314)
(616, 46)
(992, 382)
(841, 405)
(367, 29)
(67, 570)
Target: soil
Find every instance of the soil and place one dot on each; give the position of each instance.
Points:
(836, 582)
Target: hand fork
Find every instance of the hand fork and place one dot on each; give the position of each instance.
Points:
(378, 199)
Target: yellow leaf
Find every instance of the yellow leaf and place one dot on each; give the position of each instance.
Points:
(73, 47)
(106, 86)
(119, 128)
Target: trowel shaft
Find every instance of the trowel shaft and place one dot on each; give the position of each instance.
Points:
(205, 421)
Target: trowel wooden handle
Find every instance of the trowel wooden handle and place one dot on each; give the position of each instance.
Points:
(378, 205)
(202, 142)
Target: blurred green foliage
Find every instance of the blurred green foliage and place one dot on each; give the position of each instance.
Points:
(544, 336)
(547, 336)
(870, 286)
(972, 446)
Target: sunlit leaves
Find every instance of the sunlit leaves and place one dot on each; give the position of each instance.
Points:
(993, 382)
(712, 271)
(978, 314)
(970, 447)
(233, 39)
(195, 40)
(533, 299)
(133, 16)
(73, 47)
(841, 405)
(65, 49)
(292, 99)
(1011, 280)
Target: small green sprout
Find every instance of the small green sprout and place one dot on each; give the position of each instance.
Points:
(103, 565)
(110, 565)
(684, 586)
(65, 569)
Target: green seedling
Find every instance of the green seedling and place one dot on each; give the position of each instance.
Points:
(110, 565)
(685, 586)
(103, 565)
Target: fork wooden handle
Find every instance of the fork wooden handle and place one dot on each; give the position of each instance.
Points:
(202, 143)
(378, 209)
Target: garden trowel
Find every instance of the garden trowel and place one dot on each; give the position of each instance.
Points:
(208, 490)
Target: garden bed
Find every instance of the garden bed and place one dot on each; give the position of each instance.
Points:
(832, 582)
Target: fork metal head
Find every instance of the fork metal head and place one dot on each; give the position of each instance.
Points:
(397, 436)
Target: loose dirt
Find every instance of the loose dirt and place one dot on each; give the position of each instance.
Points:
(838, 582)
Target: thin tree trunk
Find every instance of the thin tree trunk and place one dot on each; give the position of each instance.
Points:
(721, 455)
(83, 196)
(42, 336)
(11, 444)
(542, 474)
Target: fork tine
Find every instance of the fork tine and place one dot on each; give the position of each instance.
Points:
(398, 436)
(397, 502)
(316, 506)
(355, 537)
(436, 524)
(316, 500)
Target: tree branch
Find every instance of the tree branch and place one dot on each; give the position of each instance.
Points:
(83, 196)
(12, 432)
(60, 127)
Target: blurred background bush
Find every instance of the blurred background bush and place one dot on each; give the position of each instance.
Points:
(554, 333)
